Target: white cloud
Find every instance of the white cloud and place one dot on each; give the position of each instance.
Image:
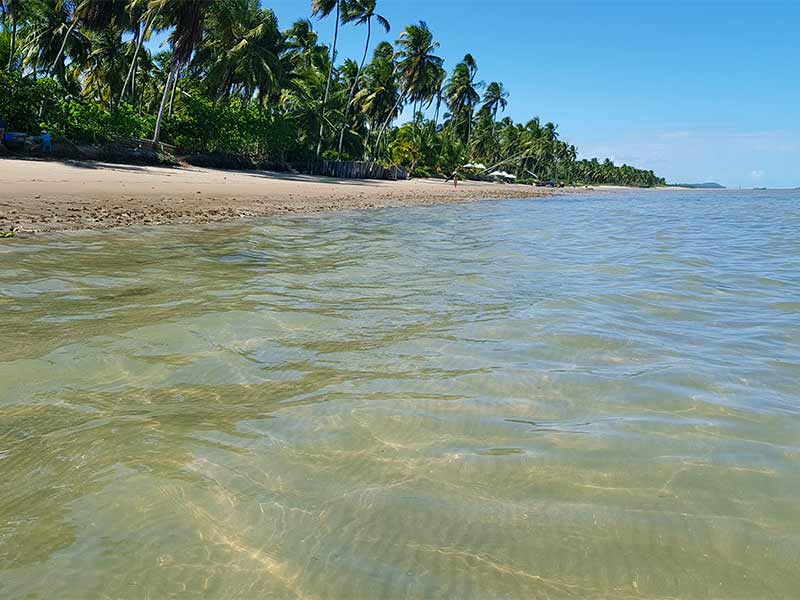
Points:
(757, 173)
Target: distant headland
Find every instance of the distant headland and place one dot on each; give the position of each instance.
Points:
(710, 185)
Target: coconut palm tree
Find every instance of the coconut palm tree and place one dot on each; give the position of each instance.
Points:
(301, 98)
(418, 68)
(495, 99)
(378, 97)
(10, 12)
(360, 12)
(323, 9)
(461, 93)
(151, 73)
(95, 15)
(47, 27)
(142, 16)
(302, 46)
(186, 16)
(241, 51)
(104, 66)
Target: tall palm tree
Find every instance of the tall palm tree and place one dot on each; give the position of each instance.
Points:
(140, 13)
(186, 16)
(439, 94)
(360, 12)
(10, 10)
(95, 15)
(301, 98)
(241, 50)
(461, 93)
(418, 68)
(104, 66)
(495, 99)
(43, 36)
(151, 73)
(378, 97)
(322, 9)
(302, 46)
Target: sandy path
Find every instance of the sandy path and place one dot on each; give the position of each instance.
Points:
(49, 196)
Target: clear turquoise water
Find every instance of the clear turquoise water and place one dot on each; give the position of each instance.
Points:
(574, 398)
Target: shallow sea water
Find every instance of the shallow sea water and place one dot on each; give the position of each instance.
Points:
(581, 397)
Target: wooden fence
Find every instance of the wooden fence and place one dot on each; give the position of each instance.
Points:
(351, 169)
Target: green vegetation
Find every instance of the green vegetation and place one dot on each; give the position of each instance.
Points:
(231, 80)
(709, 185)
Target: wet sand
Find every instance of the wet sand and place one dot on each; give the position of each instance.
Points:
(51, 196)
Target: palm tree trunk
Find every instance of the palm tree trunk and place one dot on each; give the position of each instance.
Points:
(386, 124)
(172, 73)
(63, 45)
(172, 93)
(469, 125)
(13, 47)
(137, 43)
(355, 84)
(328, 84)
(131, 77)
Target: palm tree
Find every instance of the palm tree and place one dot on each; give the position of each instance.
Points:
(378, 97)
(151, 73)
(104, 66)
(495, 99)
(322, 9)
(461, 93)
(439, 94)
(43, 36)
(96, 15)
(241, 51)
(301, 98)
(186, 16)
(418, 69)
(302, 47)
(139, 11)
(360, 12)
(10, 10)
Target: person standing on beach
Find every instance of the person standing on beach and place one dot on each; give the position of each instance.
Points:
(47, 142)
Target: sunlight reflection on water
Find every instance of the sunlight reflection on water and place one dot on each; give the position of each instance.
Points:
(578, 397)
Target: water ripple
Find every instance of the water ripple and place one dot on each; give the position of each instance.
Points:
(570, 398)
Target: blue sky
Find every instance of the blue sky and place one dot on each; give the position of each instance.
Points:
(696, 90)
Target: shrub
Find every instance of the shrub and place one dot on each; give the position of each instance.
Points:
(92, 123)
(237, 127)
(334, 155)
(32, 106)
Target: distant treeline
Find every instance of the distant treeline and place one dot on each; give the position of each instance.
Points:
(232, 80)
(708, 185)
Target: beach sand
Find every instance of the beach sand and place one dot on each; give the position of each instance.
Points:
(52, 196)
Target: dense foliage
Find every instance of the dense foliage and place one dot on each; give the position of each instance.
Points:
(231, 80)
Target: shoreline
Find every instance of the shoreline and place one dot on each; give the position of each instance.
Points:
(38, 196)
